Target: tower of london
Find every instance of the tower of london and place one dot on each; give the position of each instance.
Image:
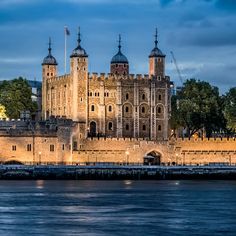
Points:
(118, 104)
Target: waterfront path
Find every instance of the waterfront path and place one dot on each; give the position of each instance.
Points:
(113, 172)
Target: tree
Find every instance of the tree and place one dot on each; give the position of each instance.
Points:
(230, 108)
(15, 95)
(2, 112)
(199, 107)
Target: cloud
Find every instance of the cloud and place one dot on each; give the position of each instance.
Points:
(22, 60)
(10, 3)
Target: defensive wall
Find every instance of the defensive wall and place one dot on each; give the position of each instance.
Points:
(57, 147)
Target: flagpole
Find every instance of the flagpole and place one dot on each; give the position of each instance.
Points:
(65, 46)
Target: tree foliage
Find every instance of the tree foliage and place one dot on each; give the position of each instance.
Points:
(230, 108)
(15, 95)
(2, 112)
(198, 107)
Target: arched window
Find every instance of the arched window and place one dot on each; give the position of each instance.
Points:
(143, 109)
(143, 97)
(92, 108)
(159, 127)
(144, 127)
(126, 109)
(110, 126)
(159, 97)
(127, 126)
(159, 110)
(95, 94)
(90, 94)
(126, 96)
(98, 94)
(110, 108)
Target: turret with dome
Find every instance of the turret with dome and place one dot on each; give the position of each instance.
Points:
(49, 59)
(119, 62)
(79, 51)
(156, 61)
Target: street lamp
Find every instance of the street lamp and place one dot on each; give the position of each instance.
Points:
(40, 158)
(127, 157)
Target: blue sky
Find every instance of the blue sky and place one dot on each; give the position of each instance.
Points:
(201, 33)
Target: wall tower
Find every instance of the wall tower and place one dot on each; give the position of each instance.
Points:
(79, 75)
(119, 62)
(156, 61)
(49, 69)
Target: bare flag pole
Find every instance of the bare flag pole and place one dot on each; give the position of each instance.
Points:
(67, 33)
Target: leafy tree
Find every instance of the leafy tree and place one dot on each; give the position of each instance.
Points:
(2, 112)
(15, 95)
(199, 106)
(230, 108)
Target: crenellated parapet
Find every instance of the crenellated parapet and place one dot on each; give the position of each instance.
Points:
(109, 76)
(59, 80)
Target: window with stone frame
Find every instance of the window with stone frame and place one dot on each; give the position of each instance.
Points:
(127, 126)
(126, 96)
(143, 110)
(159, 110)
(52, 148)
(28, 147)
(92, 108)
(159, 127)
(110, 108)
(110, 126)
(144, 127)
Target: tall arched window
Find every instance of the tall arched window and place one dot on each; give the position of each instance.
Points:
(143, 97)
(126, 109)
(143, 109)
(110, 126)
(144, 127)
(159, 110)
(92, 108)
(159, 127)
(126, 96)
(110, 108)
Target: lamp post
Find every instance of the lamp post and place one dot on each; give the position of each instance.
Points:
(40, 158)
(127, 157)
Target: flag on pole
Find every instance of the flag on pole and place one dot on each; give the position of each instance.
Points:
(67, 31)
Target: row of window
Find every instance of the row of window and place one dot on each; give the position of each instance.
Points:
(127, 127)
(143, 96)
(109, 108)
(29, 148)
(127, 109)
(97, 94)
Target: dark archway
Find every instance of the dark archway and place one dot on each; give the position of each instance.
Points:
(152, 158)
(13, 162)
(93, 129)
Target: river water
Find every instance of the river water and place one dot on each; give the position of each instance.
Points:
(118, 208)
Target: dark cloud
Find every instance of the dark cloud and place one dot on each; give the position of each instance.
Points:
(226, 4)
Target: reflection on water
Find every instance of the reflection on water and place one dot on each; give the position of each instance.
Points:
(118, 207)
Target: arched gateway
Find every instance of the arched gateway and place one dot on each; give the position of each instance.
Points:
(152, 158)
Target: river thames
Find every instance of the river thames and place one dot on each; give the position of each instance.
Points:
(118, 207)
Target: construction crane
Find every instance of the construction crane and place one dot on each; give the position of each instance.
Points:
(177, 68)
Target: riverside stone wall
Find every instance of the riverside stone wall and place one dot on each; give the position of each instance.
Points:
(57, 147)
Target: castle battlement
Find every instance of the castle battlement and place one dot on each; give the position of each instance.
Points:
(59, 79)
(110, 76)
(205, 140)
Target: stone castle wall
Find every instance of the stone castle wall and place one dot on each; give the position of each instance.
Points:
(59, 147)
